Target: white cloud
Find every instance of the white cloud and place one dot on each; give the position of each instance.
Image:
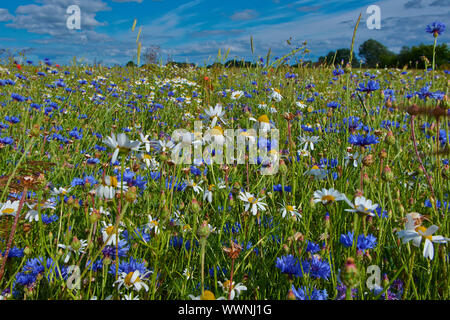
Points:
(247, 14)
(5, 15)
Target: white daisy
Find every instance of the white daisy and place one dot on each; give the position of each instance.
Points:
(215, 114)
(362, 205)
(327, 196)
(308, 141)
(253, 202)
(355, 158)
(416, 233)
(122, 144)
(236, 289)
(133, 280)
(109, 234)
(9, 208)
(236, 95)
(196, 186)
(275, 95)
(207, 295)
(292, 210)
(83, 244)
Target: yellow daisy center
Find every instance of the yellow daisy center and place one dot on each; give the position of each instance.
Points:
(217, 131)
(109, 230)
(128, 277)
(252, 200)
(422, 232)
(8, 210)
(207, 295)
(289, 208)
(328, 198)
(226, 285)
(315, 167)
(264, 118)
(277, 90)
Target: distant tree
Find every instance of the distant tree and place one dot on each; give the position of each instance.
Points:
(215, 65)
(130, 64)
(151, 54)
(412, 57)
(342, 57)
(375, 53)
(239, 64)
(180, 64)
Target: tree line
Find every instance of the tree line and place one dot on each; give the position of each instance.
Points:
(372, 53)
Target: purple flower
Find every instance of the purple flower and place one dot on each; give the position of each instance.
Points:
(436, 28)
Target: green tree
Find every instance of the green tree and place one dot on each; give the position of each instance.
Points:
(375, 53)
(413, 57)
(130, 64)
(342, 57)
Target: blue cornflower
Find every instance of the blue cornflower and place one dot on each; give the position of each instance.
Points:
(49, 219)
(279, 188)
(338, 72)
(6, 140)
(317, 268)
(333, 105)
(347, 239)
(312, 247)
(371, 86)
(14, 252)
(353, 123)
(289, 265)
(110, 251)
(76, 133)
(366, 242)
(177, 242)
(425, 93)
(18, 97)
(303, 294)
(131, 266)
(96, 266)
(77, 182)
(138, 233)
(436, 28)
(12, 119)
(361, 140)
(219, 271)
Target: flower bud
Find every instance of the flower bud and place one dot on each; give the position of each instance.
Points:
(387, 174)
(107, 261)
(203, 230)
(27, 251)
(368, 160)
(390, 138)
(131, 194)
(35, 130)
(195, 205)
(291, 295)
(350, 274)
(282, 167)
(76, 244)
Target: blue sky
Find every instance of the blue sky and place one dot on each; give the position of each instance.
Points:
(195, 30)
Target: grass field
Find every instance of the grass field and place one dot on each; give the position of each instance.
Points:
(357, 207)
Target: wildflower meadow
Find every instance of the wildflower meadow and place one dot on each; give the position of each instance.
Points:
(267, 181)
